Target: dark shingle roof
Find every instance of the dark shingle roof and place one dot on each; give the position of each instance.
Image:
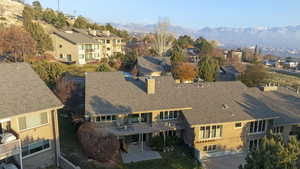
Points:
(148, 64)
(112, 93)
(22, 91)
(76, 37)
(286, 103)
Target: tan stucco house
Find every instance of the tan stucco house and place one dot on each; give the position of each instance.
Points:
(213, 119)
(28, 113)
(83, 46)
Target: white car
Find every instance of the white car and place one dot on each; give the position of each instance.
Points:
(8, 166)
(7, 138)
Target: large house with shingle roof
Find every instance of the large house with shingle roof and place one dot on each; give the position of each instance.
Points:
(29, 134)
(83, 46)
(212, 118)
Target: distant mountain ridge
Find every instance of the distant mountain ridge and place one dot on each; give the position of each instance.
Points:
(270, 38)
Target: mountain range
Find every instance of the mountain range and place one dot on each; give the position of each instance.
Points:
(275, 40)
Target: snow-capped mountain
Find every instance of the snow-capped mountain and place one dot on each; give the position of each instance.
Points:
(275, 38)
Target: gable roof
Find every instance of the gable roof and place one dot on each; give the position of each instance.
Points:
(148, 64)
(22, 91)
(110, 92)
(75, 37)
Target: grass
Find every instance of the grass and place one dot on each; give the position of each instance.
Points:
(179, 159)
(283, 79)
(79, 70)
(70, 147)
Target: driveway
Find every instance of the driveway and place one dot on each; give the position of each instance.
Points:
(225, 162)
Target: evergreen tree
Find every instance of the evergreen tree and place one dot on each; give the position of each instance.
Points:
(204, 47)
(273, 153)
(177, 55)
(254, 75)
(185, 41)
(37, 9)
(208, 68)
(81, 23)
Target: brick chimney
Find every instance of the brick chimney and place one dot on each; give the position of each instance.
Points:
(150, 84)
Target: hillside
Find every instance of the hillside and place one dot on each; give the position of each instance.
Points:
(10, 12)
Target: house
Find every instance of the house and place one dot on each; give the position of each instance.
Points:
(291, 64)
(153, 66)
(28, 119)
(83, 46)
(214, 119)
(75, 47)
(234, 56)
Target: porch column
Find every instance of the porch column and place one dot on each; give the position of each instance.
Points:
(142, 142)
(20, 156)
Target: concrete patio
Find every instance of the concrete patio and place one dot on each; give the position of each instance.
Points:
(137, 153)
(225, 162)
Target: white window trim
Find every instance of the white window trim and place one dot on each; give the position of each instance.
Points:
(42, 125)
(213, 138)
(39, 152)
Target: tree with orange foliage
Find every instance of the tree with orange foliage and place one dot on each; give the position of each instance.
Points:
(17, 44)
(185, 72)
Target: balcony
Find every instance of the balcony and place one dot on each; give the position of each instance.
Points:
(135, 128)
(10, 149)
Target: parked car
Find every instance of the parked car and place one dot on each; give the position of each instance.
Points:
(8, 166)
(7, 138)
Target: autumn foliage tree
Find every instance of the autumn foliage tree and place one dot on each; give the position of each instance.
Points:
(17, 44)
(98, 144)
(185, 72)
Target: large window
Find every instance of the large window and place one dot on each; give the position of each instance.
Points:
(106, 118)
(257, 126)
(35, 147)
(209, 132)
(32, 121)
(169, 115)
(277, 130)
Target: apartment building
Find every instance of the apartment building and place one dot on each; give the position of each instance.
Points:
(29, 134)
(212, 118)
(83, 46)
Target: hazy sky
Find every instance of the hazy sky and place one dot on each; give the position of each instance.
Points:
(189, 13)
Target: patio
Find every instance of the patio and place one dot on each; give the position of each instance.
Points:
(138, 153)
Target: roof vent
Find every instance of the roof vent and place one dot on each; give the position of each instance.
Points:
(70, 32)
(225, 106)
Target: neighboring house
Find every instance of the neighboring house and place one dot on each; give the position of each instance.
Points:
(291, 64)
(212, 118)
(153, 66)
(75, 47)
(28, 116)
(234, 56)
(81, 46)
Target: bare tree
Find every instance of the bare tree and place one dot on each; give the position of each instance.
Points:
(163, 39)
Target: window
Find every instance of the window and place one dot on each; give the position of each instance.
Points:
(107, 41)
(60, 46)
(168, 115)
(108, 49)
(106, 118)
(254, 144)
(61, 56)
(35, 147)
(210, 148)
(257, 126)
(238, 125)
(32, 121)
(209, 132)
(277, 130)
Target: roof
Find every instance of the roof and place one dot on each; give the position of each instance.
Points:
(75, 37)
(149, 64)
(285, 102)
(110, 92)
(22, 91)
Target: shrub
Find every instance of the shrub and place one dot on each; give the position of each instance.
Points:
(103, 67)
(98, 144)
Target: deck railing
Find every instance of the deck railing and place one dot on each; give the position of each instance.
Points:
(10, 149)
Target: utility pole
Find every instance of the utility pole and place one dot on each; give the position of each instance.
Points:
(58, 5)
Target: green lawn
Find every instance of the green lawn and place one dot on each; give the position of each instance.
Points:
(79, 70)
(70, 147)
(180, 159)
(283, 79)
